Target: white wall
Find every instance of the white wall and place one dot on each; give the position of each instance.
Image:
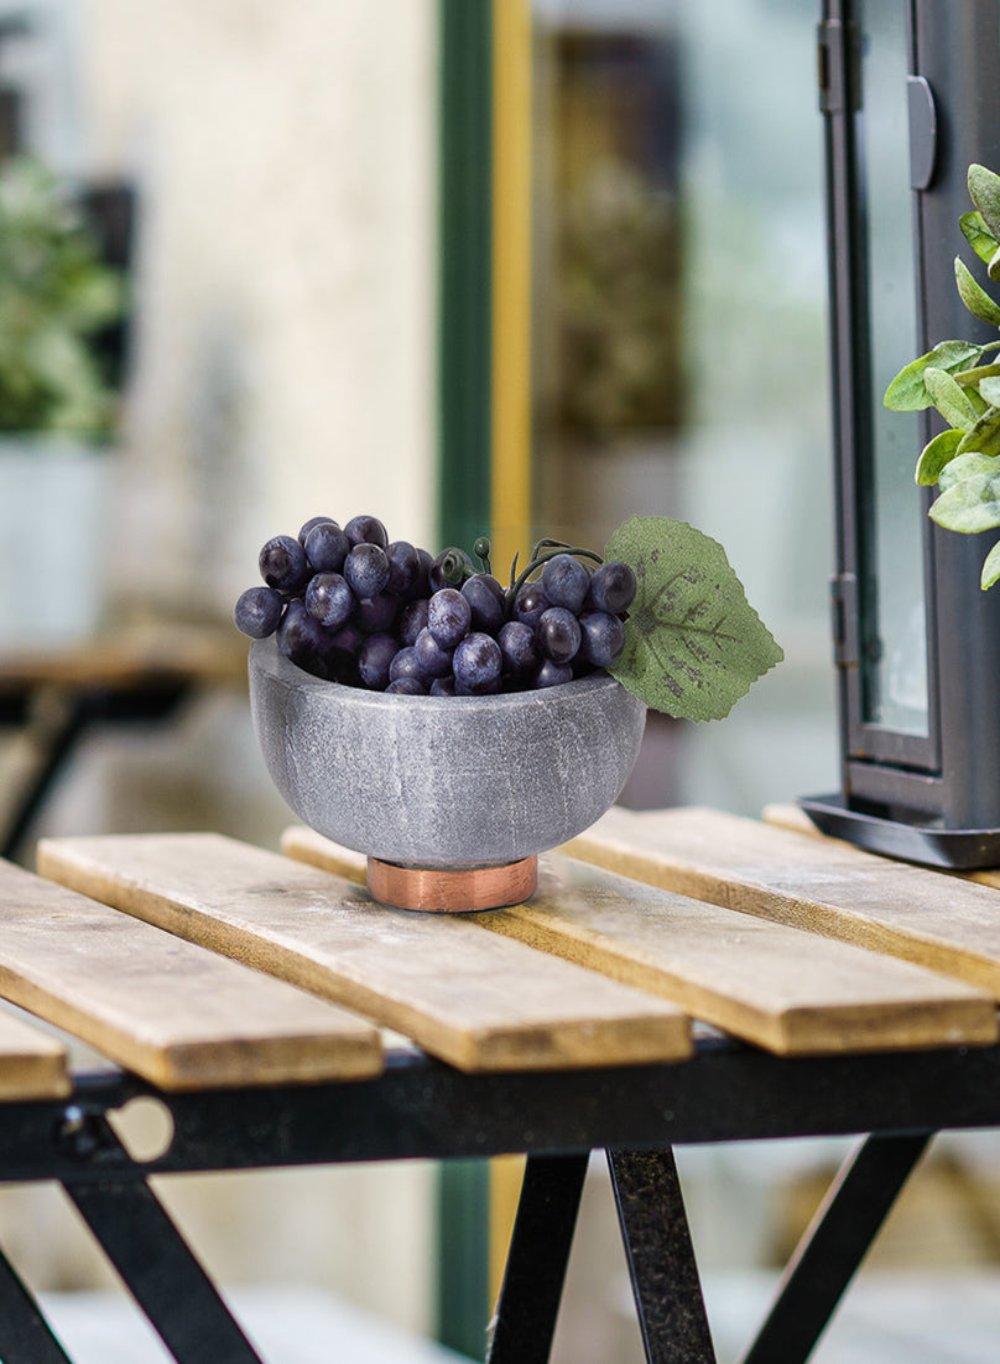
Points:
(285, 159)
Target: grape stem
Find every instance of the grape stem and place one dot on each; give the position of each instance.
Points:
(481, 549)
(539, 559)
(548, 544)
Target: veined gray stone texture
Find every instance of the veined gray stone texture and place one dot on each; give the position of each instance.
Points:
(443, 781)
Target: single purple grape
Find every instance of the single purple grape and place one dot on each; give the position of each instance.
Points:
(486, 597)
(433, 660)
(412, 620)
(404, 566)
(314, 521)
(374, 657)
(367, 570)
(347, 640)
(366, 530)
(565, 582)
(327, 547)
(603, 638)
(406, 664)
(553, 674)
(303, 640)
(477, 665)
(530, 603)
(421, 585)
(283, 564)
(258, 611)
(342, 654)
(406, 686)
(612, 588)
(517, 645)
(375, 615)
(557, 635)
(329, 599)
(443, 686)
(449, 617)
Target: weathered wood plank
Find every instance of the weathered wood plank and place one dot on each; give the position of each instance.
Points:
(773, 985)
(942, 922)
(477, 1001)
(181, 1017)
(32, 1065)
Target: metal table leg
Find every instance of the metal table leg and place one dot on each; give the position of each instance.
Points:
(661, 1261)
(42, 750)
(25, 1335)
(830, 1252)
(158, 1267)
(525, 1319)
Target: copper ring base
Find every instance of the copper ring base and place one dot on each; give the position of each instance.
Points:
(452, 892)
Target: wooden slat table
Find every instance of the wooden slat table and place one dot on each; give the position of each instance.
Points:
(244, 989)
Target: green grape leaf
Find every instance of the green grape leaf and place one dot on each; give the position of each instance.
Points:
(989, 389)
(934, 457)
(993, 265)
(978, 235)
(907, 392)
(984, 436)
(693, 643)
(949, 398)
(965, 466)
(991, 568)
(975, 298)
(969, 506)
(984, 191)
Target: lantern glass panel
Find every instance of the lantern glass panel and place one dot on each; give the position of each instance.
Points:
(893, 625)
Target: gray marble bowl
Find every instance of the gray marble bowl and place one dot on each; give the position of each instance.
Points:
(443, 782)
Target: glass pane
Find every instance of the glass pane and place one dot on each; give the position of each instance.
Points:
(680, 352)
(892, 605)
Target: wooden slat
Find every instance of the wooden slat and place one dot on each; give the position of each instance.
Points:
(773, 985)
(180, 1016)
(787, 816)
(32, 1065)
(938, 921)
(478, 1002)
(794, 818)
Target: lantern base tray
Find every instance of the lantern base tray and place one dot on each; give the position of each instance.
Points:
(930, 844)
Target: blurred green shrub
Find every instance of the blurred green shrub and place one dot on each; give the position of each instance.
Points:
(55, 295)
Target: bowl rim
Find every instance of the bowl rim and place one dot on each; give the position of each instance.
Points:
(265, 655)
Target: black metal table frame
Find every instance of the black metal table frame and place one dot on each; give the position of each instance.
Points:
(420, 1108)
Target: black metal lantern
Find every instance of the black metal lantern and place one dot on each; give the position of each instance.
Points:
(910, 91)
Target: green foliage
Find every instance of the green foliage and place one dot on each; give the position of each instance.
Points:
(908, 391)
(935, 455)
(991, 568)
(964, 461)
(978, 235)
(970, 505)
(54, 295)
(984, 436)
(693, 643)
(975, 298)
(949, 398)
(965, 466)
(984, 191)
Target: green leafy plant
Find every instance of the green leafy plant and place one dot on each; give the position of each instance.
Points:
(962, 382)
(55, 294)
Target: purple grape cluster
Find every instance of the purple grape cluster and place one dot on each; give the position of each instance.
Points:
(351, 607)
